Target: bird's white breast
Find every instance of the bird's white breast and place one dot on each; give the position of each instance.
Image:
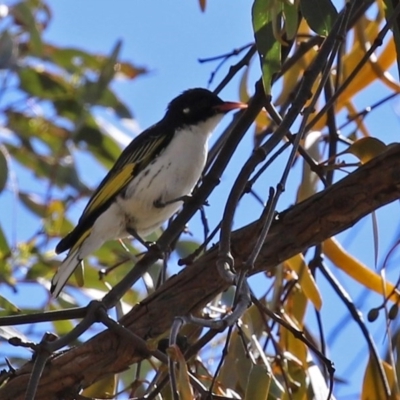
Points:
(173, 174)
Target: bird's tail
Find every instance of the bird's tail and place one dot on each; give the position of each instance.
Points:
(65, 271)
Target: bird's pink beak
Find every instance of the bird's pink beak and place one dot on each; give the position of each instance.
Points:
(230, 105)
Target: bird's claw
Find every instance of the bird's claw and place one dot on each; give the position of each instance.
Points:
(160, 204)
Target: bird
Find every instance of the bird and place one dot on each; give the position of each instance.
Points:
(149, 181)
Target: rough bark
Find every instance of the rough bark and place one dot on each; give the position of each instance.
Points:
(301, 226)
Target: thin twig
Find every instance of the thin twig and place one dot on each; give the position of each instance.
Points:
(357, 316)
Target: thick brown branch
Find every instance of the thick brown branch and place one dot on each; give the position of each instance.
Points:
(304, 225)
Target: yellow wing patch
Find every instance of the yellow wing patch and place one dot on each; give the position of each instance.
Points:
(81, 239)
(139, 154)
(111, 188)
(134, 158)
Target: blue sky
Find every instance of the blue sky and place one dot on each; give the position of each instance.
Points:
(168, 37)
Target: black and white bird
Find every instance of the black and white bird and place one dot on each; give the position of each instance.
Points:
(146, 185)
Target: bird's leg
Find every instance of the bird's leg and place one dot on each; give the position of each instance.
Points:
(187, 197)
(150, 246)
(134, 234)
(161, 204)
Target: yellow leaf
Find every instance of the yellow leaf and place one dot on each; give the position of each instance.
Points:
(295, 306)
(244, 95)
(184, 388)
(104, 388)
(357, 270)
(373, 387)
(309, 179)
(366, 148)
(295, 73)
(79, 274)
(252, 323)
(298, 376)
(390, 375)
(368, 72)
(236, 366)
(291, 345)
(375, 68)
(261, 122)
(294, 312)
(306, 280)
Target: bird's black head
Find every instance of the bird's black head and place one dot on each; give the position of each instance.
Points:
(197, 105)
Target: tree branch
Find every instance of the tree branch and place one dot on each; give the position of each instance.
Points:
(306, 224)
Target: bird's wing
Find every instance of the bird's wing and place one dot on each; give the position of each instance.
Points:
(132, 160)
(136, 156)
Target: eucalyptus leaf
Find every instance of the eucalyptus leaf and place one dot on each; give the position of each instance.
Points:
(7, 49)
(8, 332)
(33, 203)
(5, 249)
(3, 167)
(44, 130)
(319, 14)
(61, 172)
(268, 47)
(94, 90)
(7, 305)
(43, 84)
(110, 100)
(103, 147)
(23, 14)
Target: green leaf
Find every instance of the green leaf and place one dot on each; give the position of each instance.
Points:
(186, 247)
(319, 14)
(108, 71)
(33, 203)
(27, 127)
(43, 84)
(291, 19)
(8, 305)
(109, 99)
(102, 147)
(73, 60)
(62, 327)
(44, 268)
(268, 47)
(259, 381)
(79, 276)
(104, 388)
(69, 108)
(23, 15)
(76, 61)
(60, 172)
(3, 167)
(113, 253)
(5, 250)
(6, 51)
(94, 90)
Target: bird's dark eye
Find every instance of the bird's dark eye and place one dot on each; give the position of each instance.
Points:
(186, 110)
